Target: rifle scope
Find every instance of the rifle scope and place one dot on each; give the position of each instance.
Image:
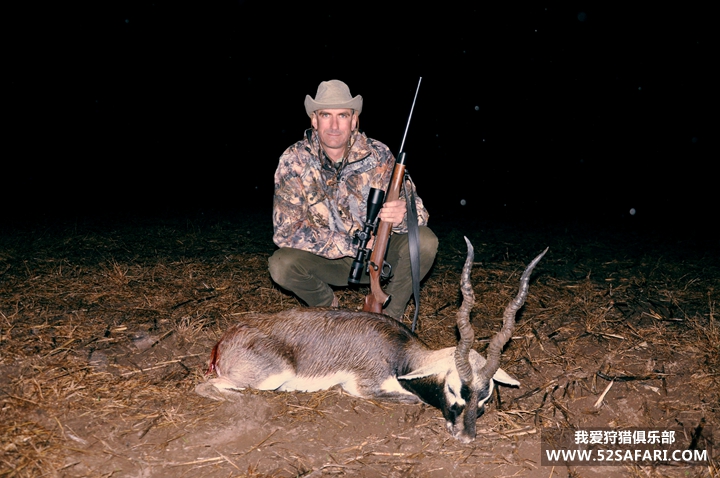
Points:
(362, 236)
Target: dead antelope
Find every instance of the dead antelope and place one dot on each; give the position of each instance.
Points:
(368, 355)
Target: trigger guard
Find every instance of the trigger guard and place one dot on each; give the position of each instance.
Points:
(386, 271)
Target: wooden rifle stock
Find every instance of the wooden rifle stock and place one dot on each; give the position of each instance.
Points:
(377, 299)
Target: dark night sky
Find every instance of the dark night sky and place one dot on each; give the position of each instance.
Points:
(578, 111)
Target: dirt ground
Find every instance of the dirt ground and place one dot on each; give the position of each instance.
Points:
(106, 328)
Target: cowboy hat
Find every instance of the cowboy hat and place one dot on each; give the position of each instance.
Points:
(333, 94)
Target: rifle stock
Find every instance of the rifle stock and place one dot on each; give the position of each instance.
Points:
(377, 299)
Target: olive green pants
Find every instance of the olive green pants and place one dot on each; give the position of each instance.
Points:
(310, 276)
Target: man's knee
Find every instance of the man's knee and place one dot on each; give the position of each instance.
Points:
(428, 242)
(281, 265)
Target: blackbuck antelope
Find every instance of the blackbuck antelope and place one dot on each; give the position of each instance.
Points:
(368, 355)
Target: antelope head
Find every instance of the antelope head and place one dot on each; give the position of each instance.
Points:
(468, 379)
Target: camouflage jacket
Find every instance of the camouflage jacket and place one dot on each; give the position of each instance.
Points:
(318, 207)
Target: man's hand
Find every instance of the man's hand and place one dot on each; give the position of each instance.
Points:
(393, 211)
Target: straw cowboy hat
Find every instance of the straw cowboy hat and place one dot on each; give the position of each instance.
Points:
(333, 94)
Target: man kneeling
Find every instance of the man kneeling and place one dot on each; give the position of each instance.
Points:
(321, 188)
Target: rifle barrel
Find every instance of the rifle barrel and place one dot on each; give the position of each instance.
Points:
(407, 126)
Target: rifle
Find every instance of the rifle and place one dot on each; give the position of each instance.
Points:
(377, 268)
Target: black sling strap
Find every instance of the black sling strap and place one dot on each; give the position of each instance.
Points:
(413, 244)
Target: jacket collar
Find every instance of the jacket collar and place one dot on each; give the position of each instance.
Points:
(358, 151)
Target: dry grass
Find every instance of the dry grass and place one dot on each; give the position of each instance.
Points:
(105, 329)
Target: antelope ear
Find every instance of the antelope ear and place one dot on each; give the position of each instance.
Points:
(438, 367)
(503, 377)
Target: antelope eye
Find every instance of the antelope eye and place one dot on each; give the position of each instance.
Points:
(484, 396)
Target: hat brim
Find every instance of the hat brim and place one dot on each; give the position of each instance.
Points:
(311, 105)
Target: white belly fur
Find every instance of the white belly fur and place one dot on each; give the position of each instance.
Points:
(288, 382)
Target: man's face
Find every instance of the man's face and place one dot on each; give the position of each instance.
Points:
(334, 127)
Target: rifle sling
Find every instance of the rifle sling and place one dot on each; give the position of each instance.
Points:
(413, 245)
